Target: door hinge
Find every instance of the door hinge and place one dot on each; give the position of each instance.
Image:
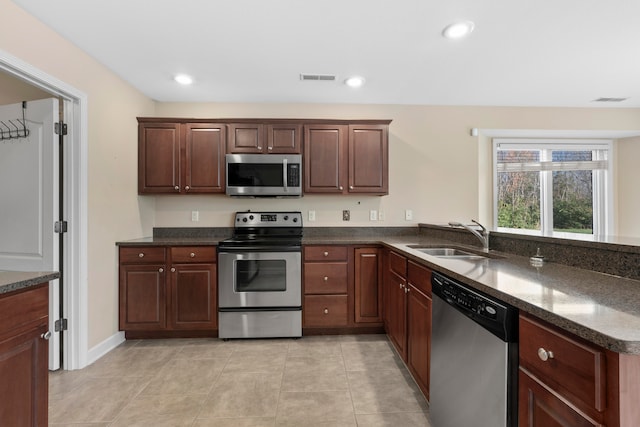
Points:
(60, 128)
(60, 325)
(60, 227)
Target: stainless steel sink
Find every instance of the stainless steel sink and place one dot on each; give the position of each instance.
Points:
(445, 252)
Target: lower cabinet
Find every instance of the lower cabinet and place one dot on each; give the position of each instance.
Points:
(168, 289)
(342, 290)
(24, 358)
(407, 314)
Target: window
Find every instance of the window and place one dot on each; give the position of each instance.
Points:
(552, 187)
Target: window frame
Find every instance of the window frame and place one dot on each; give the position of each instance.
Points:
(603, 195)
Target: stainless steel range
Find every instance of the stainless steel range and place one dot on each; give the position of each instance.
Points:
(260, 277)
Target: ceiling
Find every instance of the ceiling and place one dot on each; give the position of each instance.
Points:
(521, 53)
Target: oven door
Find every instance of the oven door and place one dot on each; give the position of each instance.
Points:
(259, 279)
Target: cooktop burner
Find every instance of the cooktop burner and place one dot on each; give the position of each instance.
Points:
(266, 229)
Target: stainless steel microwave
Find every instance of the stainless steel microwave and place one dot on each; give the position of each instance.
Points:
(264, 175)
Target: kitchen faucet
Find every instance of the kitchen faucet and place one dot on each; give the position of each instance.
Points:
(483, 237)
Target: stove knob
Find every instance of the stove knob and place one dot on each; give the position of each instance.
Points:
(251, 217)
(286, 217)
(295, 219)
(244, 219)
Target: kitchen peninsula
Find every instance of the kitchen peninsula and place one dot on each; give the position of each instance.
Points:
(24, 324)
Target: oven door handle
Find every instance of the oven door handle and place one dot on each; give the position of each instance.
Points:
(285, 175)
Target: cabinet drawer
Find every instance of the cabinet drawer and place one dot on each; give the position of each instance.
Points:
(142, 254)
(325, 253)
(182, 254)
(573, 368)
(398, 264)
(24, 308)
(325, 278)
(420, 277)
(325, 310)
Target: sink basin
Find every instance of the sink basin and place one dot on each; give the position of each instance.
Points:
(445, 252)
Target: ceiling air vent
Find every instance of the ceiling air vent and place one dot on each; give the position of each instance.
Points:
(318, 77)
(610, 99)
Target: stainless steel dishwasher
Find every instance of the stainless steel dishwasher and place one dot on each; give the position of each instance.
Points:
(474, 358)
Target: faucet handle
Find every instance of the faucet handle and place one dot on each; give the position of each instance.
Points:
(479, 225)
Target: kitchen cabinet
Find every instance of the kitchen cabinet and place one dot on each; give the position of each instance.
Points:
(325, 280)
(168, 290)
(281, 138)
(180, 158)
(346, 158)
(408, 315)
(368, 290)
(567, 381)
(24, 357)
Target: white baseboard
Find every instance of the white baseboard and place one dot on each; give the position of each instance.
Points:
(105, 347)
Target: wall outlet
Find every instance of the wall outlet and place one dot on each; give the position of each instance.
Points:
(381, 216)
(373, 215)
(408, 215)
(346, 215)
(312, 216)
(195, 216)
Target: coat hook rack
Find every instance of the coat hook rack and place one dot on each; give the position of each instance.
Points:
(12, 130)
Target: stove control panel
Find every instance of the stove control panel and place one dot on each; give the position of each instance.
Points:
(268, 219)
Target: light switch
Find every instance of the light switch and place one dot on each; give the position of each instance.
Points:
(373, 215)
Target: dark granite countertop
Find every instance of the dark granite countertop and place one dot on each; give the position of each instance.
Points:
(601, 308)
(14, 280)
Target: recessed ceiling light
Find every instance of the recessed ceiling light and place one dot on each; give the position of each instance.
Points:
(458, 30)
(183, 79)
(354, 81)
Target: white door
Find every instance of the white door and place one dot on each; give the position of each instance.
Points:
(29, 199)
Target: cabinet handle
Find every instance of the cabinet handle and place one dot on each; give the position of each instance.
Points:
(46, 335)
(326, 278)
(173, 269)
(186, 187)
(192, 254)
(326, 311)
(326, 253)
(259, 148)
(270, 148)
(161, 270)
(545, 355)
(177, 188)
(141, 255)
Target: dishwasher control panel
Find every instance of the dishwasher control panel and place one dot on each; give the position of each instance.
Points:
(471, 301)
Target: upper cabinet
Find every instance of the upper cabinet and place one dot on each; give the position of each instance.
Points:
(281, 138)
(180, 158)
(346, 158)
(183, 156)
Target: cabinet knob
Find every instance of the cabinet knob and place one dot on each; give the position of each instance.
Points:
(173, 269)
(340, 188)
(326, 311)
(161, 270)
(259, 148)
(545, 355)
(177, 188)
(326, 253)
(351, 187)
(270, 148)
(407, 290)
(46, 335)
(141, 255)
(186, 187)
(326, 278)
(192, 254)
(401, 285)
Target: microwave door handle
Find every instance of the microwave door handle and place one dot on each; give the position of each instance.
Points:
(284, 174)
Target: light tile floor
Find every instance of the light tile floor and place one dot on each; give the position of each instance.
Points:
(350, 380)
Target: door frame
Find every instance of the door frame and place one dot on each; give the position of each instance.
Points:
(75, 342)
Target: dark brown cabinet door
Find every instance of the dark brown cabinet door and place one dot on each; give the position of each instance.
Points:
(204, 158)
(142, 297)
(419, 337)
(325, 155)
(284, 138)
(539, 407)
(397, 313)
(368, 159)
(368, 292)
(246, 138)
(158, 158)
(193, 296)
